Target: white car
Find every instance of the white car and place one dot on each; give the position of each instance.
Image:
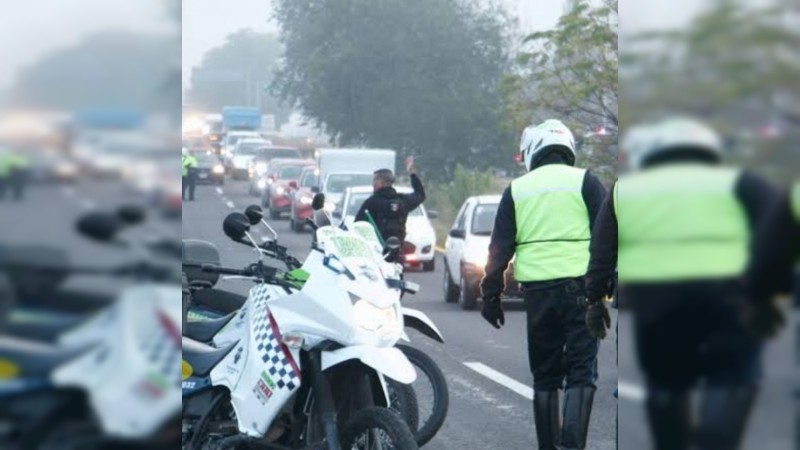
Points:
(420, 247)
(243, 154)
(467, 250)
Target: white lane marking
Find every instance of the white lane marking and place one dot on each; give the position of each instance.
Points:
(499, 378)
(230, 204)
(219, 190)
(631, 391)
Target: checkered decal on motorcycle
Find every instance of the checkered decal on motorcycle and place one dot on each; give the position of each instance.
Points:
(273, 353)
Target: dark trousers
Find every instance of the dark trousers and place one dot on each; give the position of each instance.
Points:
(692, 331)
(560, 347)
(188, 183)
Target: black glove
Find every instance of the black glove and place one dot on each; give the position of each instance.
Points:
(597, 318)
(763, 319)
(492, 311)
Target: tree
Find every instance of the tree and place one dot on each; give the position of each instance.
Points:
(422, 77)
(570, 72)
(239, 73)
(106, 69)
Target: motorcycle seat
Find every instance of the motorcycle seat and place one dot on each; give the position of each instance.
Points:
(205, 330)
(202, 357)
(219, 300)
(34, 358)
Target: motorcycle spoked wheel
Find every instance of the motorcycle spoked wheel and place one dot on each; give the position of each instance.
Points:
(431, 387)
(377, 429)
(403, 401)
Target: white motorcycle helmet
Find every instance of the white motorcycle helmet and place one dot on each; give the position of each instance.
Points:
(536, 140)
(645, 141)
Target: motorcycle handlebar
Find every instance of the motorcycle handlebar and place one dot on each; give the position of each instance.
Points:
(224, 270)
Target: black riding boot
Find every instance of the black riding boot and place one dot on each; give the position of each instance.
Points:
(577, 410)
(723, 417)
(668, 416)
(545, 414)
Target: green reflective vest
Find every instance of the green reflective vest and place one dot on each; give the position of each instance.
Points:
(187, 161)
(552, 224)
(794, 199)
(680, 222)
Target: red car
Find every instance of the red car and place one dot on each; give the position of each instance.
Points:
(282, 177)
(301, 198)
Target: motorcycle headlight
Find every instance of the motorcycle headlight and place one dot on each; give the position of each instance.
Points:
(371, 318)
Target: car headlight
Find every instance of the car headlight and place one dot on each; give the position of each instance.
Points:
(261, 168)
(478, 256)
(261, 183)
(218, 169)
(330, 206)
(306, 200)
(280, 190)
(371, 318)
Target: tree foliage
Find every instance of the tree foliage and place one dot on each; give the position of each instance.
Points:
(420, 76)
(570, 71)
(107, 69)
(732, 60)
(237, 73)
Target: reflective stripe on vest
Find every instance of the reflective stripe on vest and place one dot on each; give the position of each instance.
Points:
(552, 224)
(680, 222)
(795, 201)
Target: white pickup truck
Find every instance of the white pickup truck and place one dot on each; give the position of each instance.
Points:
(341, 168)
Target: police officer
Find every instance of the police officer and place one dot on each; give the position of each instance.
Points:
(546, 217)
(776, 251)
(678, 229)
(188, 165)
(388, 209)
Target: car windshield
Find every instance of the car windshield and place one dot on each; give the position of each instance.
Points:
(290, 172)
(483, 219)
(249, 148)
(337, 183)
(309, 179)
(266, 153)
(356, 200)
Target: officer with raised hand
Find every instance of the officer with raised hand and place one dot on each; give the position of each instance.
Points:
(188, 176)
(678, 228)
(546, 217)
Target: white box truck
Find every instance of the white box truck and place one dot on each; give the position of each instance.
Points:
(341, 168)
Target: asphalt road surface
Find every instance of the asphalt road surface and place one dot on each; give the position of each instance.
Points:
(486, 369)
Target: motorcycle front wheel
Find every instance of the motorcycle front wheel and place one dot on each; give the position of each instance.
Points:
(376, 428)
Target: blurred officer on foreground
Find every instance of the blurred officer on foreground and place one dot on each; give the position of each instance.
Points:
(546, 217)
(389, 209)
(679, 228)
(13, 174)
(188, 175)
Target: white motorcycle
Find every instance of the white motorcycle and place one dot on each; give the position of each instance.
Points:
(302, 367)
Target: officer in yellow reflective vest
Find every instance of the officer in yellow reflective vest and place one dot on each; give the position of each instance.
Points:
(678, 228)
(546, 217)
(776, 253)
(13, 173)
(188, 176)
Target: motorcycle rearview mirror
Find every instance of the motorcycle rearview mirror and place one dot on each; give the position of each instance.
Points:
(318, 202)
(393, 243)
(235, 226)
(99, 226)
(255, 215)
(131, 214)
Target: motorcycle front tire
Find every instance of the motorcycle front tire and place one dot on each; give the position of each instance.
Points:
(429, 425)
(376, 418)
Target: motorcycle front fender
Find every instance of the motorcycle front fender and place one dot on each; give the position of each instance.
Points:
(387, 361)
(419, 321)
